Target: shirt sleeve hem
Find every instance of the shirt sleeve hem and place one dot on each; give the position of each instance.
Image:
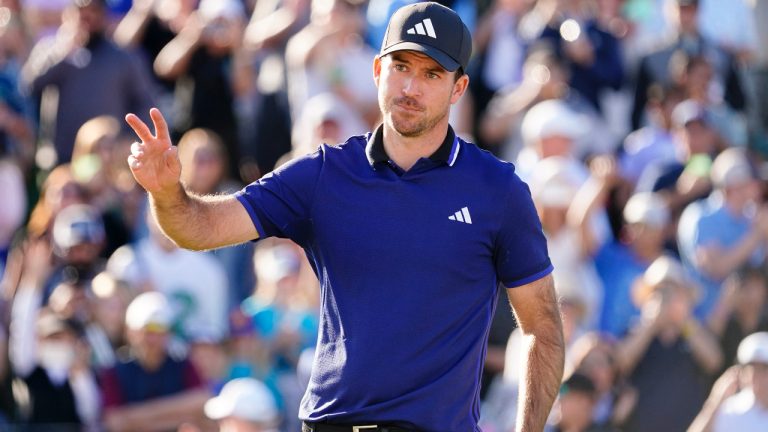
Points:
(526, 280)
(252, 213)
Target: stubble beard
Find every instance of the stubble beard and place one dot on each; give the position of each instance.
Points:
(410, 125)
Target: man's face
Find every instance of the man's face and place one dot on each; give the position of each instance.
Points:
(415, 92)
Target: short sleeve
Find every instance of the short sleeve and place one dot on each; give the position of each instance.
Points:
(280, 202)
(521, 255)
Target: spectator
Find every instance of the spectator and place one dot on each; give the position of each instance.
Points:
(61, 390)
(149, 26)
(618, 263)
(567, 205)
(587, 46)
(205, 172)
(78, 61)
(150, 390)
(553, 128)
(739, 398)
(244, 405)
(111, 297)
(741, 310)
(720, 234)
(695, 76)
(543, 78)
(197, 60)
(687, 178)
(194, 282)
(78, 240)
(654, 67)
(324, 57)
(653, 144)
(594, 356)
(669, 356)
(94, 167)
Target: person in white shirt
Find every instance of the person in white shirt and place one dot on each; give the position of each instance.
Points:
(739, 398)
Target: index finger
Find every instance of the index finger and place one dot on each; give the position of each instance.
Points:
(161, 127)
(139, 127)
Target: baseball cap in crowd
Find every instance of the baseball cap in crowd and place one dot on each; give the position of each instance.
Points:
(688, 2)
(647, 208)
(432, 29)
(663, 271)
(689, 111)
(753, 349)
(149, 310)
(77, 224)
(554, 182)
(553, 118)
(243, 398)
(731, 168)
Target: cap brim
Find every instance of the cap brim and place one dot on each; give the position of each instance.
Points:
(217, 409)
(446, 61)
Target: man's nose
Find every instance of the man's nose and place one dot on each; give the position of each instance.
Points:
(411, 86)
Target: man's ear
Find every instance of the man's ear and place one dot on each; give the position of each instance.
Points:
(459, 87)
(376, 70)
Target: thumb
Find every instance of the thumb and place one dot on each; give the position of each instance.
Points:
(172, 159)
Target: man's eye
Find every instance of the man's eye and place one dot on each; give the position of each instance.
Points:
(400, 67)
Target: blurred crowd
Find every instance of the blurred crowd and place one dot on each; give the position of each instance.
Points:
(641, 127)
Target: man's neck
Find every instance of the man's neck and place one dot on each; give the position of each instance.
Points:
(406, 151)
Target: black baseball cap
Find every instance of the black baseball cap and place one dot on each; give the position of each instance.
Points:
(432, 29)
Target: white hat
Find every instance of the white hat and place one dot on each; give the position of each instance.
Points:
(244, 398)
(228, 9)
(662, 271)
(647, 208)
(731, 168)
(552, 118)
(148, 308)
(276, 262)
(554, 182)
(753, 349)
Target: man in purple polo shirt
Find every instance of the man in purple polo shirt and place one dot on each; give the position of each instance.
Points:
(411, 231)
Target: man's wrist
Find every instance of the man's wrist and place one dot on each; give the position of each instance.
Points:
(168, 197)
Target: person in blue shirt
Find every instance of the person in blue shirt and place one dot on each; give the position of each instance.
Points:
(410, 230)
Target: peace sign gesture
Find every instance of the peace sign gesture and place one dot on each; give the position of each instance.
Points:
(154, 161)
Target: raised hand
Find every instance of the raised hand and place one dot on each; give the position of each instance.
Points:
(154, 161)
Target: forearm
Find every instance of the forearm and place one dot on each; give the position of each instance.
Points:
(158, 414)
(719, 263)
(541, 377)
(131, 28)
(173, 60)
(633, 347)
(705, 418)
(704, 347)
(191, 221)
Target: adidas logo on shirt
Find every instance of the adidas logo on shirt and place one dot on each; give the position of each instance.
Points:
(461, 216)
(423, 28)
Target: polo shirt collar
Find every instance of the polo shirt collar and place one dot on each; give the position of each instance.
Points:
(447, 153)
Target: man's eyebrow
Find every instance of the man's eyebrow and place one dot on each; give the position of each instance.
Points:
(398, 57)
